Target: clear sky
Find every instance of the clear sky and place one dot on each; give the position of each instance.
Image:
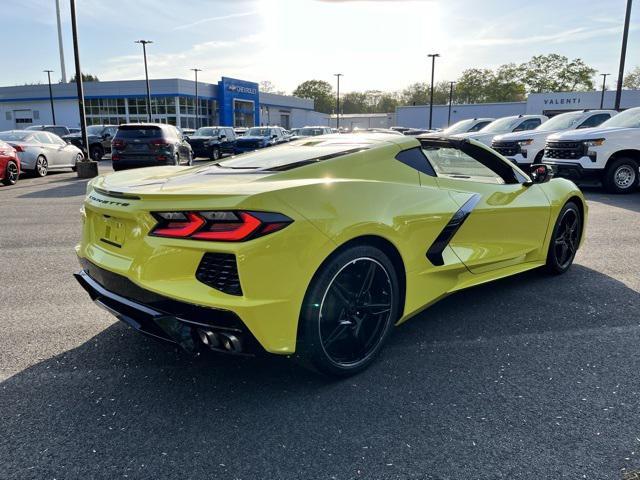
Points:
(380, 44)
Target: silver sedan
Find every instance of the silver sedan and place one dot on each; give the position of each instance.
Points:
(40, 151)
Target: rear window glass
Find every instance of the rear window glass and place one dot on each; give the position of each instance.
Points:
(12, 136)
(290, 155)
(139, 132)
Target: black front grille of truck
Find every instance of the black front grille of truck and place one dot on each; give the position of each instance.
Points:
(220, 271)
(508, 149)
(564, 150)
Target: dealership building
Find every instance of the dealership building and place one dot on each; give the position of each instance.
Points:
(230, 102)
(549, 104)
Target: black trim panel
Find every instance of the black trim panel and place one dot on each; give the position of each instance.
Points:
(434, 254)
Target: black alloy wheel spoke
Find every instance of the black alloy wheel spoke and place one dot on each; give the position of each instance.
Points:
(354, 311)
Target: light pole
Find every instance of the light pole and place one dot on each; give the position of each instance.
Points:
(146, 74)
(433, 66)
(604, 81)
(60, 45)
(86, 168)
(196, 70)
(623, 54)
(451, 84)
(338, 75)
(53, 112)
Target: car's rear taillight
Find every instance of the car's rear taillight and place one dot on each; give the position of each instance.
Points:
(18, 148)
(118, 143)
(219, 226)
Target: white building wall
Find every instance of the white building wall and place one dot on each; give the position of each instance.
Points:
(40, 112)
(538, 103)
(418, 116)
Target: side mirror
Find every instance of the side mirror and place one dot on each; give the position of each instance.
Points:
(106, 136)
(185, 138)
(540, 173)
(274, 136)
(222, 137)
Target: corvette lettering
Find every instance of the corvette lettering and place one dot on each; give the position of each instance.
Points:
(109, 202)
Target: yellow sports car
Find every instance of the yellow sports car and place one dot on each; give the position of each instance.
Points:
(320, 246)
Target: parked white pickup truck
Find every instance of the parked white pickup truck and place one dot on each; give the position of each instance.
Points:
(609, 153)
(526, 148)
(516, 123)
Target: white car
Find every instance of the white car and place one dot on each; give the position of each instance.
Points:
(609, 153)
(463, 126)
(516, 123)
(526, 148)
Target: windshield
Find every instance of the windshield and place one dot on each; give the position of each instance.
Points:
(15, 136)
(258, 132)
(310, 132)
(458, 127)
(138, 131)
(627, 119)
(206, 132)
(94, 130)
(563, 121)
(505, 124)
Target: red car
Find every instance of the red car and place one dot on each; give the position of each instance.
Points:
(9, 164)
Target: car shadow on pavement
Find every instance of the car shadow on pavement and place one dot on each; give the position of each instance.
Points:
(458, 388)
(630, 201)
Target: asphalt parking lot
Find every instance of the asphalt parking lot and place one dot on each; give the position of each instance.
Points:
(533, 377)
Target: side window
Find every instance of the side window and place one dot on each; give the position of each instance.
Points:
(594, 120)
(59, 131)
(56, 140)
(479, 126)
(42, 137)
(450, 162)
(415, 159)
(110, 131)
(528, 125)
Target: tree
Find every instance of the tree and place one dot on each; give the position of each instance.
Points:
(86, 77)
(473, 84)
(320, 92)
(420, 94)
(355, 102)
(555, 73)
(266, 86)
(504, 86)
(632, 79)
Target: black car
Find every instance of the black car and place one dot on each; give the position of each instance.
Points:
(149, 145)
(59, 130)
(260, 137)
(212, 142)
(99, 137)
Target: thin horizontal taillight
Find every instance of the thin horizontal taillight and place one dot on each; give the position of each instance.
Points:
(218, 226)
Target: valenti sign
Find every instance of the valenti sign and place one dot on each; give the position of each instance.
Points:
(562, 101)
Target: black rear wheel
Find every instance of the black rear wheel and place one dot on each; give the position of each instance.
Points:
(349, 310)
(565, 239)
(11, 173)
(96, 152)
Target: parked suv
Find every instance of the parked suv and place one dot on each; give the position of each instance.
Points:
(212, 142)
(516, 123)
(526, 148)
(99, 137)
(259, 137)
(609, 153)
(59, 130)
(148, 145)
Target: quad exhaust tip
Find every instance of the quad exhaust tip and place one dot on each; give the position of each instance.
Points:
(219, 341)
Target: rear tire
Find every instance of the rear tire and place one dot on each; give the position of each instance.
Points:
(42, 166)
(565, 239)
(349, 311)
(11, 173)
(621, 176)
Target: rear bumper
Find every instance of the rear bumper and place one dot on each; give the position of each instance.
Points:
(574, 171)
(163, 318)
(138, 162)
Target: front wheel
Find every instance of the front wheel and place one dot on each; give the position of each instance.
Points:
(96, 152)
(349, 310)
(565, 239)
(621, 176)
(11, 173)
(42, 166)
(215, 154)
(79, 158)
